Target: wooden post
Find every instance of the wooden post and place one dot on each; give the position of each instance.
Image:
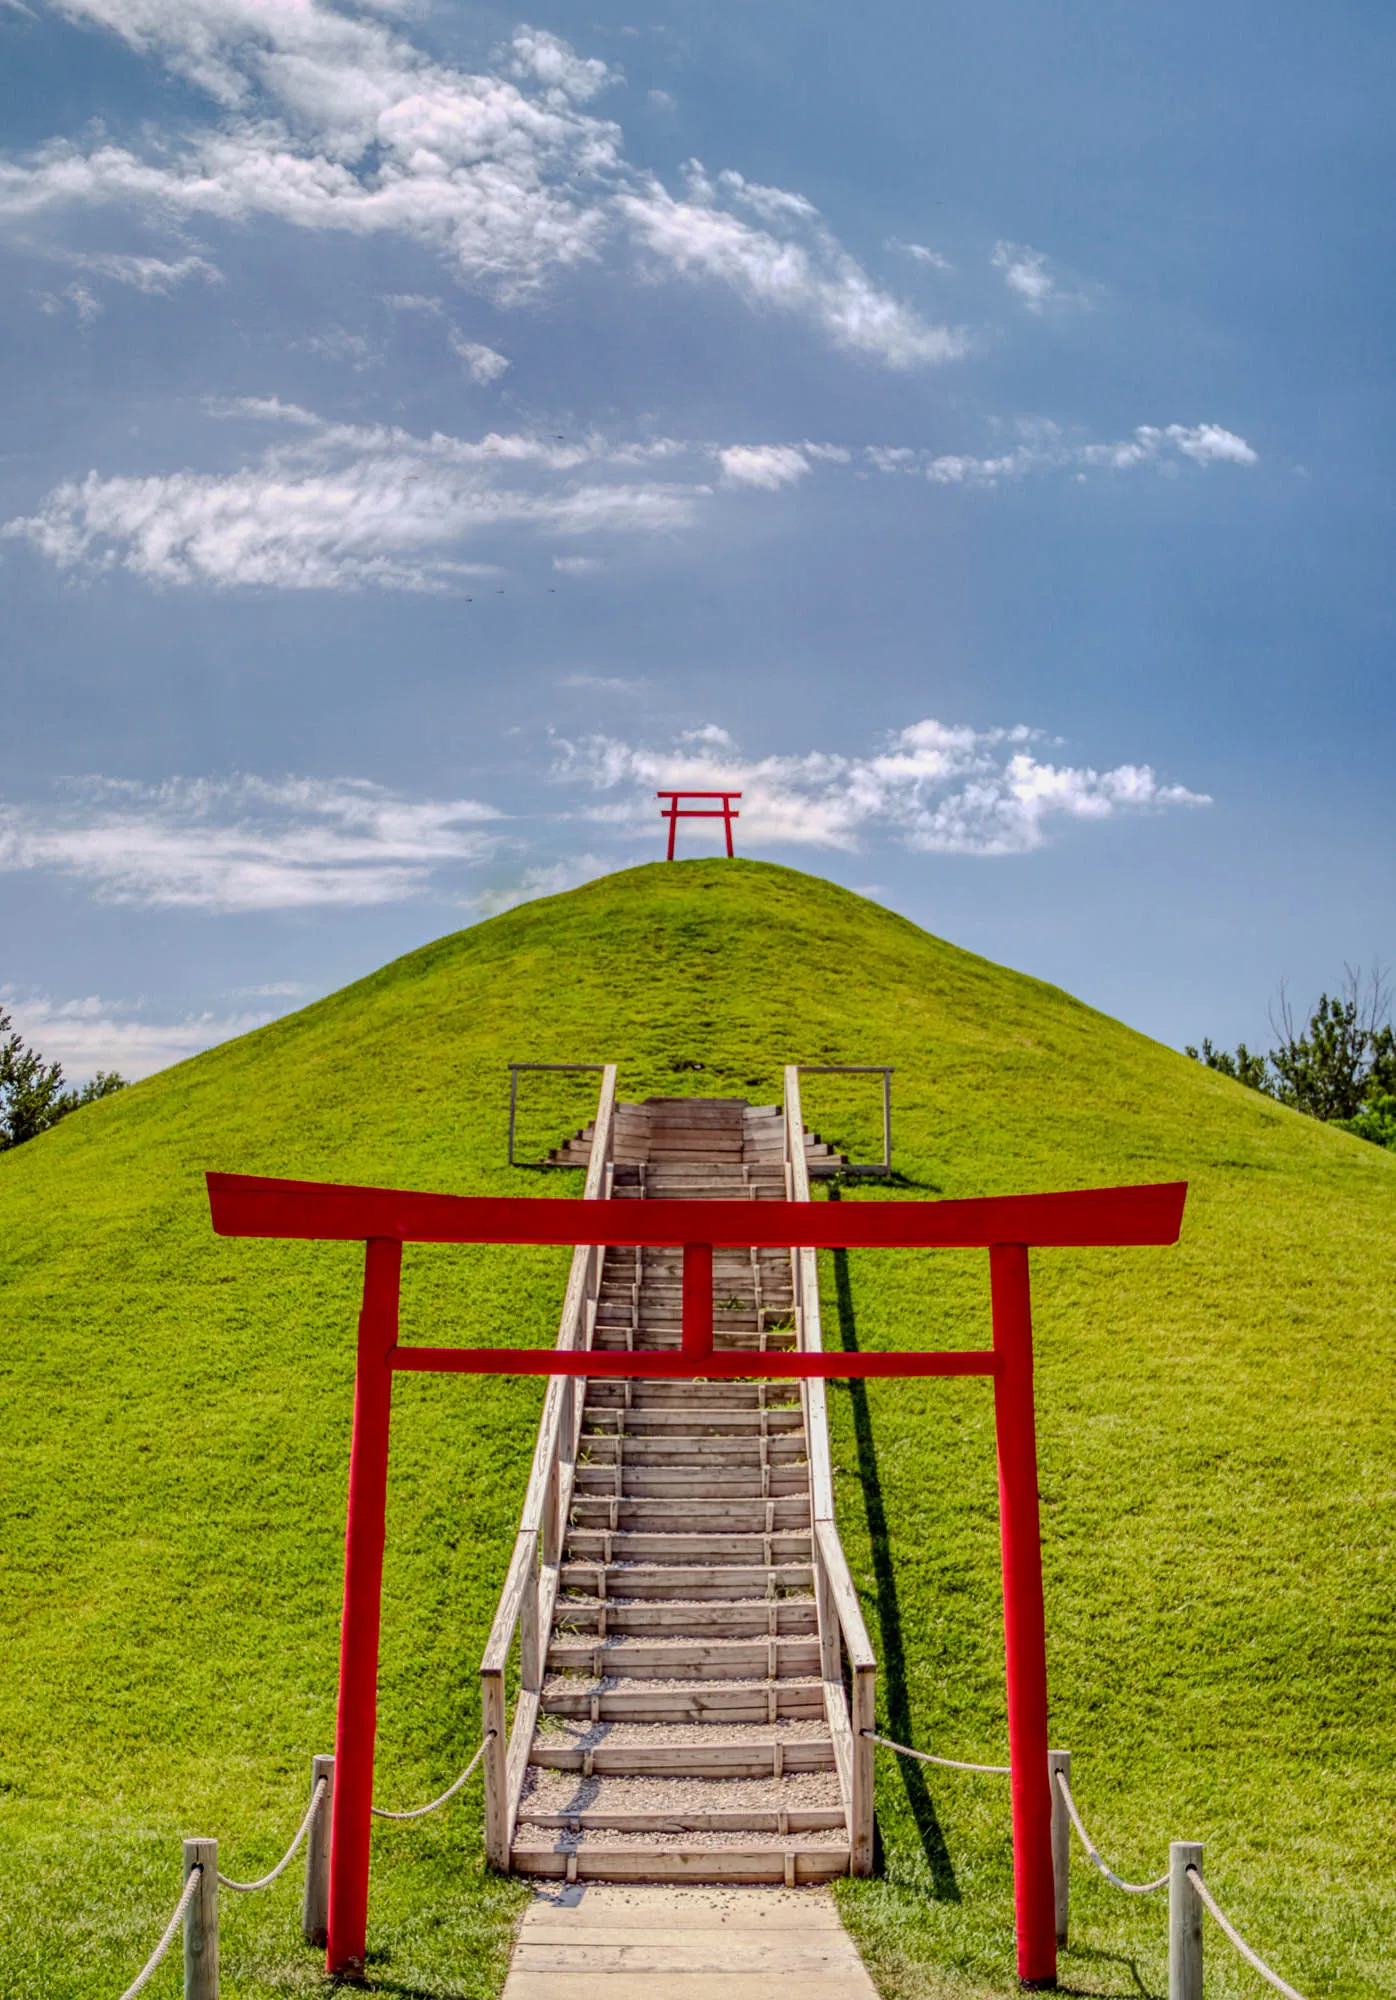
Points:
(357, 1720)
(1184, 1922)
(864, 1718)
(201, 1922)
(1024, 1634)
(315, 1911)
(1060, 1760)
(496, 1769)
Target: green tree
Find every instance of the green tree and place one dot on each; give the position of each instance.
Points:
(32, 1096)
(1338, 1066)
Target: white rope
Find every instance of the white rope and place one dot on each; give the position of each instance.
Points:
(945, 1763)
(1093, 1856)
(382, 1812)
(265, 1881)
(142, 1977)
(1252, 1958)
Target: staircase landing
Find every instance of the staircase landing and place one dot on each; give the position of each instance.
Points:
(607, 1942)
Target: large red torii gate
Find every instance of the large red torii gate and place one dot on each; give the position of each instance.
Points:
(383, 1219)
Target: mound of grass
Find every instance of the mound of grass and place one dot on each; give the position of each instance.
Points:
(1215, 1422)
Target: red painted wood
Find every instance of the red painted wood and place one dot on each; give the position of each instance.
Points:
(697, 1304)
(325, 1211)
(674, 812)
(357, 1717)
(786, 1365)
(1024, 1634)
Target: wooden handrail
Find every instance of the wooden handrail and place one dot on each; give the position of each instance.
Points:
(842, 1631)
(530, 1588)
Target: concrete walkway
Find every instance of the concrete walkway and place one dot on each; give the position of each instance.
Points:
(614, 1941)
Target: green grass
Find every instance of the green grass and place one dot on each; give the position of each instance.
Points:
(1215, 1423)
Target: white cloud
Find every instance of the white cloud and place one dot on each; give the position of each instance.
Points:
(766, 465)
(327, 120)
(346, 506)
(1028, 274)
(663, 100)
(920, 253)
(482, 364)
(604, 683)
(1043, 447)
(540, 881)
(91, 1034)
(339, 506)
(786, 261)
(244, 843)
(576, 565)
(152, 275)
(937, 789)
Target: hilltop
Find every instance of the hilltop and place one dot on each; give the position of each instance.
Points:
(1215, 1420)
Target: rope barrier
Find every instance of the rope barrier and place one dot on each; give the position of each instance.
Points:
(1251, 1957)
(381, 1812)
(265, 1881)
(143, 1976)
(946, 1763)
(1093, 1855)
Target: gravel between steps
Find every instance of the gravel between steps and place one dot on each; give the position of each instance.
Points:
(572, 1732)
(569, 1791)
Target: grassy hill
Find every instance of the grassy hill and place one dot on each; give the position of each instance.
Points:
(1216, 1435)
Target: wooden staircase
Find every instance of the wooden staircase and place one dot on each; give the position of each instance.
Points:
(688, 1718)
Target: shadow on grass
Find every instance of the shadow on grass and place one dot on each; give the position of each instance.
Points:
(896, 1699)
(1135, 1990)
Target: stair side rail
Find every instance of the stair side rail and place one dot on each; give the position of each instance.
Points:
(843, 1636)
(527, 1601)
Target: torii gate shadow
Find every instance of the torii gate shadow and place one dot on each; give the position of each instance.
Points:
(889, 1615)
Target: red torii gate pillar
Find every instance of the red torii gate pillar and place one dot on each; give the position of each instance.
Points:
(384, 1219)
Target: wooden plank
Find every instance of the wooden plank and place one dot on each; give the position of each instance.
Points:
(798, 1820)
(855, 1632)
(516, 1766)
(506, 1617)
(753, 1759)
(841, 1737)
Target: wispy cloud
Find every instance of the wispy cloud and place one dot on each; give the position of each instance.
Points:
(920, 253)
(344, 506)
(547, 879)
(1029, 275)
(90, 1034)
(935, 788)
(332, 121)
(604, 683)
(244, 843)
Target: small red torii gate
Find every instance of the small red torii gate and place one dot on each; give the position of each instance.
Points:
(383, 1219)
(674, 812)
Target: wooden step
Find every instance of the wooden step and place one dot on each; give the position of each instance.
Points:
(705, 1701)
(665, 1858)
(602, 1393)
(785, 1546)
(784, 1616)
(723, 1757)
(694, 1420)
(691, 1515)
(604, 1448)
(633, 1482)
(685, 1658)
(651, 1582)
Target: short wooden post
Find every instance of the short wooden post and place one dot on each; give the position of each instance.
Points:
(201, 1922)
(496, 1769)
(315, 1911)
(1060, 1760)
(1184, 1922)
(864, 1719)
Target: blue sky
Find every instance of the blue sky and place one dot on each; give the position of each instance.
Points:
(428, 431)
